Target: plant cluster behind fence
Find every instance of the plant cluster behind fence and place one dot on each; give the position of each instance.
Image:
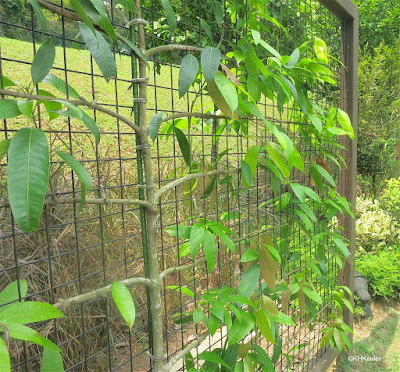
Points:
(193, 157)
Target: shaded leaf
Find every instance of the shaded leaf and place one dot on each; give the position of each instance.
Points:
(251, 159)
(39, 14)
(60, 85)
(264, 326)
(137, 51)
(169, 11)
(183, 144)
(268, 304)
(4, 145)
(196, 238)
(210, 249)
(249, 281)
(228, 91)
(218, 12)
(264, 358)
(51, 361)
(128, 4)
(214, 358)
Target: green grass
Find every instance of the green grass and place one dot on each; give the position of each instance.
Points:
(378, 336)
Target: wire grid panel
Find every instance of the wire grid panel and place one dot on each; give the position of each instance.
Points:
(74, 252)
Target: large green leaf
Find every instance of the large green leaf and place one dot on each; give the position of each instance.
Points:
(7, 82)
(100, 50)
(26, 108)
(78, 168)
(196, 238)
(240, 328)
(43, 61)
(4, 145)
(169, 11)
(8, 109)
(214, 358)
(154, 125)
(28, 312)
(210, 58)
(249, 281)
(227, 90)
(210, 249)
(5, 364)
(187, 73)
(264, 358)
(11, 292)
(60, 85)
(124, 301)
(21, 332)
(251, 160)
(345, 122)
(218, 12)
(183, 144)
(52, 361)
(28, 176)
(320, 49)
(81, 12)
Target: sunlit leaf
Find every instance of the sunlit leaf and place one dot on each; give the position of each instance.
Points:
(124, 301)
(11, 292)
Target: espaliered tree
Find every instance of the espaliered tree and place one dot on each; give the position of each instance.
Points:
(236, 82)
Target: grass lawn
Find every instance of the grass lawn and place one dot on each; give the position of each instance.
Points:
(377, 337)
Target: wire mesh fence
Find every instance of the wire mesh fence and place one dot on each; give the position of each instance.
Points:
(76, 251)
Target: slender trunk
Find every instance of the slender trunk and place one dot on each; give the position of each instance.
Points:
(151, 216)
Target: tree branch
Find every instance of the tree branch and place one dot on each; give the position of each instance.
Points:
(167, 367)
(171, 185)
(176, 269)
(193, 115)
(76, 102)
(97, 293)
(171, 48)
(105, 201)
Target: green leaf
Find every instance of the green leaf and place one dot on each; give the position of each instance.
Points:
(316, 122)
(82, 13)
(11, 293)
(320, 49)
(325, 174)
(154, 125)
(187, 73)
(183, 144)
(345, 122)
(264, 358)
(137, 51)
(249, 282)
(184, 290)
(196, 238)
(218, 12)
(60, 85)
(28, 176)
(312, 294)
(268, 304)
(4, 145)
(294, 58)
(7, 82)
(270, 49)
(78, 168)
(249, 255)
(28, 312)
(39, 14)
(43, 61)
(210, 58)
(264, 326)
(214, 358)
(169, 11)
(100, 50)
(128, 4)
(51, 361)
(282, 318)
(8, 109)
(210, 249)
(341, 245)
(92, 126)
(52, 107)
(5, 363)
(251, 159)
(207, 29)
(182, 230)
(278, 160)
(240, 328)
(26, 108)
(21, 332)
(227, 90)
(124, 301)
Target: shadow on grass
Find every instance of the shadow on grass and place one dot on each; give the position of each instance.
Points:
(375, 352)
